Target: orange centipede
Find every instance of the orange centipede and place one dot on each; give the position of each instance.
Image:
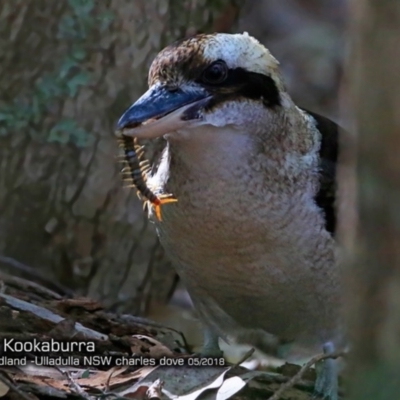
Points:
(136, 170)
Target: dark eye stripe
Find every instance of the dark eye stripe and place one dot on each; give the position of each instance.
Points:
(240, 82)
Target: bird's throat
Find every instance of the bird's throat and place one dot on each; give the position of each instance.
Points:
(209, 152)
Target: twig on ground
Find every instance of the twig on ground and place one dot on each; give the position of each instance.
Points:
(14, 388)
(75, 386)
(35, 273)
(29, 286)
(155, 390)
(49, 315)
(244, 358)
(297, 377)
(144, 321)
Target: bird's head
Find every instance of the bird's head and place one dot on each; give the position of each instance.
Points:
(217, 79)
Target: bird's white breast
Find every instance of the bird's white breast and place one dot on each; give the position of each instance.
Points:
(248, 241)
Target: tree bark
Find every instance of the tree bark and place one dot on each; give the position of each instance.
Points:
(68, 70)
(374, 274)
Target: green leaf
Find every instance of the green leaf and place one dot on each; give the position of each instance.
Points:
(85, 374)
(66, 67)
(61, 132)
(5, 116)
(49, 87)
(81, 6)
(78, 53)
(81, 137)
(80, 79)
(67, 130)
(58, 136)
(65, 124)
(36, 109)
(67, 28)
(3, 131)
(105, 19)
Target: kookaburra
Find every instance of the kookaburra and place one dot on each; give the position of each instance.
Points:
(252, 232)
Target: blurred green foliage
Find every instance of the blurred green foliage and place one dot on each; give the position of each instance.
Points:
(75, 28)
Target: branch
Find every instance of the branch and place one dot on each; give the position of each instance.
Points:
(14, 388)
(48, 315)
(74, 385)
(296, 378)
(35, 273)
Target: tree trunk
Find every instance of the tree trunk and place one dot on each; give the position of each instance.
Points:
(374, 275)
(68, 69)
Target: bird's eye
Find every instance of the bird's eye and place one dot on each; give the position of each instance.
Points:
(215, 73)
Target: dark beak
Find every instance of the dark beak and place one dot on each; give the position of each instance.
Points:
(161, 104)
